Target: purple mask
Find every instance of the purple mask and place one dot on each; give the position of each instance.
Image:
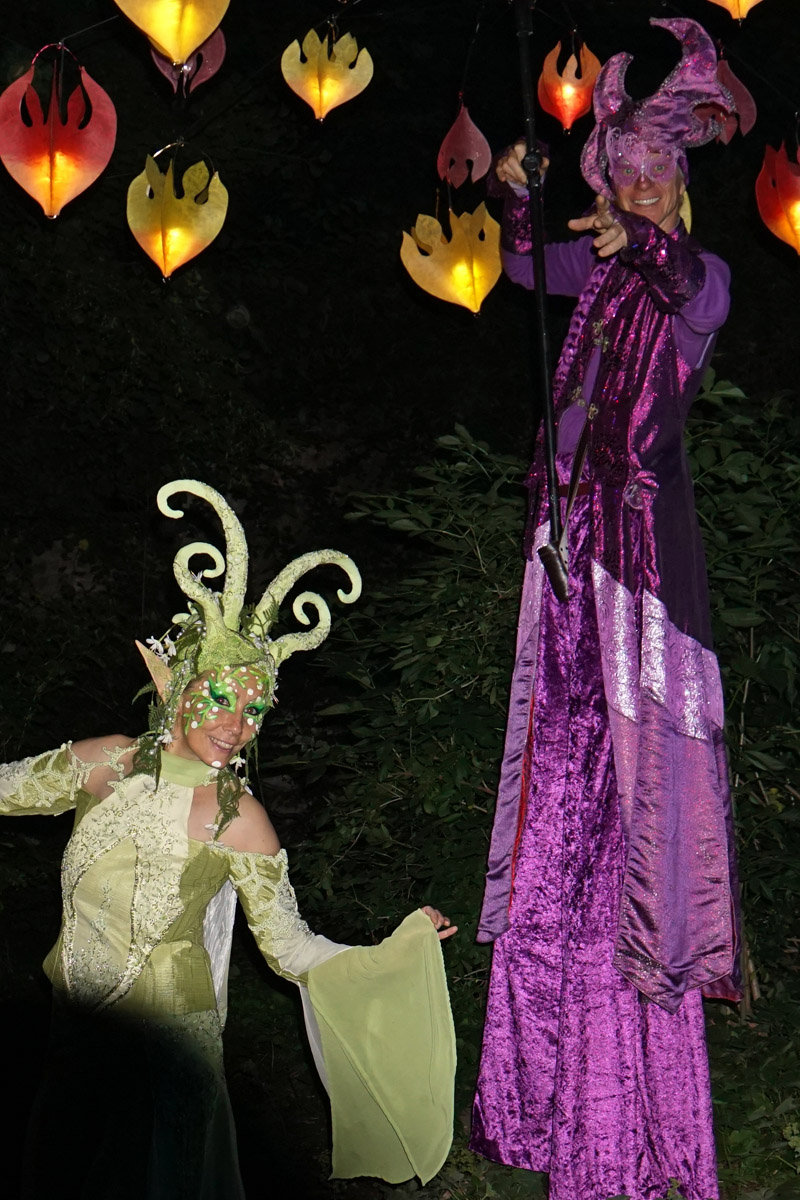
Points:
(653, 134)
(629, 159)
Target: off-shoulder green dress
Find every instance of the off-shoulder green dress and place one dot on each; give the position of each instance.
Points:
(140, 971)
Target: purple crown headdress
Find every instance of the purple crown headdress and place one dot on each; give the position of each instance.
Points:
(667, 121)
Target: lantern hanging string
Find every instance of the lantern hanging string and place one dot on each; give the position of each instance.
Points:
(471, 49)
(80, 32)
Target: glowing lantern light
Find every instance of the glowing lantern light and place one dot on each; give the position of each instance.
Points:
(778, 196)
(463, 270)
(200, 66)
(464, 144)
(55, 161)
(568, 96)
(171, 230)
(175, 27)
(737, 8)
(328, 72)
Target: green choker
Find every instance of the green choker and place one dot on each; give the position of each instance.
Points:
(186, 772)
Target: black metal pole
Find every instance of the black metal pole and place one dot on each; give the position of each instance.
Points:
(532, 164)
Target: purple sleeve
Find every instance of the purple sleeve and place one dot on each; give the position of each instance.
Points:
(672, 268)
(568, 266)
(697, 323)
(682, 280)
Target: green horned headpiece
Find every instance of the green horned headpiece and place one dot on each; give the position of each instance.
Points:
(218, 631)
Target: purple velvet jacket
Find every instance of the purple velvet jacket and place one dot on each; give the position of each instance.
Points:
(640, 337)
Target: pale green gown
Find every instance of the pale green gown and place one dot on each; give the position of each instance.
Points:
(139, 973)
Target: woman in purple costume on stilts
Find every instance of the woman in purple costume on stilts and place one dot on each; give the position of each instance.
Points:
(611, 892)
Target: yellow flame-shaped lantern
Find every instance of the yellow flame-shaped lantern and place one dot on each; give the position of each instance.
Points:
(172, 230)
(326, 74)
(175, 27)
(737, 8)
(463, 270)
(567, 96)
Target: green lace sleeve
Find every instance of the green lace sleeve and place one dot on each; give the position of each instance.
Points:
(268, 899)
(46, 783)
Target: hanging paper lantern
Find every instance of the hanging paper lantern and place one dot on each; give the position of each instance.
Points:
(328, 72)
(175, 27)
(55, 160)
(566, 96)
(778, 196)
(463, 270)
(464, 151)
(737, 8)
(170, 229)
(745, 116)
(200, 66)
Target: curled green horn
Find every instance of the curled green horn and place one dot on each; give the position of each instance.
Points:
(234, 562)
(284, 581)
(267, 609)
(284, 647)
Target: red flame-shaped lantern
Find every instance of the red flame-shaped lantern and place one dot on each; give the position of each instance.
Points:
(778, 196)
(464, 151)
(745, 116)
(55, 160)
(568, 96)
(742, 116)
(200, 66)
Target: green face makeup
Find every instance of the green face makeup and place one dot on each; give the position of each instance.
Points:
(221, 692)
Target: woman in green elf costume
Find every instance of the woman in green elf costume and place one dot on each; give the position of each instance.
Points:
(166, 836)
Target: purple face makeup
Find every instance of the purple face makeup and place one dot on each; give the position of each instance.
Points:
(630, 158)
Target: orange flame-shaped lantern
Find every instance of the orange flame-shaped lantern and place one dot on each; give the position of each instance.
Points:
(737, 8)
(327, 72)
(778, 196)
(175, 27)
(568, 96)
(172, 229)
(55, 160)
(463, 270)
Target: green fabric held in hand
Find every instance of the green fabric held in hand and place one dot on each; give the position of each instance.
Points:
(389, 1048)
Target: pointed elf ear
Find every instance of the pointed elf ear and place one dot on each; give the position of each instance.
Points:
(160, 673)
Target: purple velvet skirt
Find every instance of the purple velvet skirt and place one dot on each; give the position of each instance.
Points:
(580, 1076)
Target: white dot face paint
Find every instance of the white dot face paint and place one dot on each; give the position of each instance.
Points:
(216, 763)
(250, 692)
(250, 721)
(194, 724)
(188, 704)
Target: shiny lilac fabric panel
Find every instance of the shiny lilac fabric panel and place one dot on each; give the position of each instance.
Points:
(676, 921)
(678, 912)
(494, 915)
(580, 1076)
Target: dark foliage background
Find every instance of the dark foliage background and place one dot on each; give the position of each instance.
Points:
(294, 364)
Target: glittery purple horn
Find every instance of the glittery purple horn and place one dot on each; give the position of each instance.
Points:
(668, 120)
